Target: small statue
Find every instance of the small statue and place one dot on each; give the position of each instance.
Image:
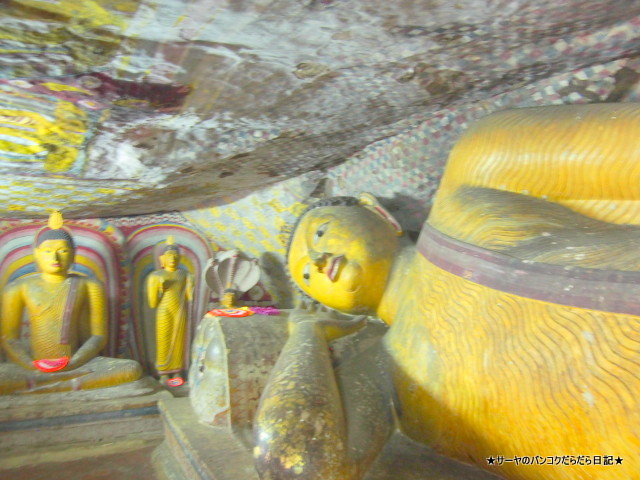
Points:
(68, 323)
(229, 274)
(169, 290)
(514, 321)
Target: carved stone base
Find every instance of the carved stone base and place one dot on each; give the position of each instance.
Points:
(194, 451)
(231, 361)
(35, 422)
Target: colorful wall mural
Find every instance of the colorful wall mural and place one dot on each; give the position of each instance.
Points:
(109, 107)
(92, 34)
(49, 141)
(47, 123)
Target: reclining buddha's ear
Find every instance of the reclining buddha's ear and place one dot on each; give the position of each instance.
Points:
(369, 201)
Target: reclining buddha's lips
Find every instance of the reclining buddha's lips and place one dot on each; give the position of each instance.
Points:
(334, 267)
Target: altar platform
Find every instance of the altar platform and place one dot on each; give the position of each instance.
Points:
(29, 422)
(143, 432)
(104, 434)
(194, 451)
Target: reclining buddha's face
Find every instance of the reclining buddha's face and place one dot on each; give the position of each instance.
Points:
(342, 255)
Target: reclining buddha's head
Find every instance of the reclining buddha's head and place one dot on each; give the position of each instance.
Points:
(341, 252)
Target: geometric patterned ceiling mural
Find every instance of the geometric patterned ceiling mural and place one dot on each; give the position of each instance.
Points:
(121, 107)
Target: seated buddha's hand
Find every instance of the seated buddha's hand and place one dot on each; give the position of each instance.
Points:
(333, 324)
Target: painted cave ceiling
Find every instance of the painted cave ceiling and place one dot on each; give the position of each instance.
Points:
(122, 107)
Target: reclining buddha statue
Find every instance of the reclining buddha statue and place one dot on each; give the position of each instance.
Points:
(68, 325)
(514, 339)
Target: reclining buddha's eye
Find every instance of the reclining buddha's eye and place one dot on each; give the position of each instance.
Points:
(320, 231)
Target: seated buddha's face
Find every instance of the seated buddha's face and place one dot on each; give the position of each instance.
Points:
(341, 256)
(54, 256)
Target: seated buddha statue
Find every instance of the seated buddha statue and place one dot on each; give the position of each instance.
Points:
(169, 291)
(514, 339)
(68, 325)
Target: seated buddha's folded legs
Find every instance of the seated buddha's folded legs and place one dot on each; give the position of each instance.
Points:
(100, 372)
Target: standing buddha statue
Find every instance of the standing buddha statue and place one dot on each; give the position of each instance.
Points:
(169, 290)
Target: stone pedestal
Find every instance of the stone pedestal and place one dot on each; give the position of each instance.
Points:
(233, 357)
(30, 423)
(192, 450)
(208, 437)
(231, 362)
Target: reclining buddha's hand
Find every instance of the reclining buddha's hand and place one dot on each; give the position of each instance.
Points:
(333, 324)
